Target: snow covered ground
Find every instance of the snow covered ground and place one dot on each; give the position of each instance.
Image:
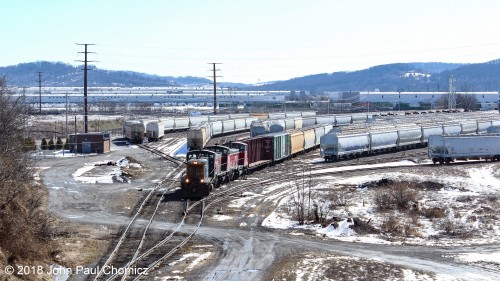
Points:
(466, 195)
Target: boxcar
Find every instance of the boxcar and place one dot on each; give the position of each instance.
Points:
(279, 145)
(229, 161)
(259, 151)
(297, 142)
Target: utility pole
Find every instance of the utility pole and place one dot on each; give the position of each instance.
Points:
(452, 95)
(215, 84)
(40, 89)
(85, 103)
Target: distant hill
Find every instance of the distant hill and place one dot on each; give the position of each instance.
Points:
(399, 77)
(415, 76)
(61, 74)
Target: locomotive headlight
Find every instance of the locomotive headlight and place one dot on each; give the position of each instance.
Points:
(202, 180)
(187, 180)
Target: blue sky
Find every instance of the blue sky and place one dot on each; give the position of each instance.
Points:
(256, 41)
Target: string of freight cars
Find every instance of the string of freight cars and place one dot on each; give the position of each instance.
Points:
(208, 168)
(153, 129)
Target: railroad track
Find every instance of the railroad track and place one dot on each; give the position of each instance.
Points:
(137, 247)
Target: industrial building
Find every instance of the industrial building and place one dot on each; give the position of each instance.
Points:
(90, 143)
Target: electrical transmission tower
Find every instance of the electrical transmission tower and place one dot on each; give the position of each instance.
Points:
(215, 84)
(85, 102)
(40, 89)
(452, 95)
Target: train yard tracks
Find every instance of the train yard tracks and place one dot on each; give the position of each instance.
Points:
(140, 247)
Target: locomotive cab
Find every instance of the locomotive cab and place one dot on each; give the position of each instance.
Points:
(197, 181)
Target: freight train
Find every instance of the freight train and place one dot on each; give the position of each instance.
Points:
(138, 130)
(208, 168)
(348, 144)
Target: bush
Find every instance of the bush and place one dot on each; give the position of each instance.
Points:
(44, 145)
(433, 213)
(392, 226)
(51, 144)
(29, 144)
(59, 143)
(397, 196)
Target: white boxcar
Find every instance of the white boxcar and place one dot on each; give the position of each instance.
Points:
(155, 130)
(409, 136)
(309, 138)
(383, 140)
(429, 130)
(228, 126)
(343, 120)
(168, 123)
(258, 128)
(452, 129)
(325, 119)
(446, 148)
(197, 120)
(239, 124)
(276, 126)
(482, 126)
(308, 121)
(333, 146)
(181, 123)
(468, 127)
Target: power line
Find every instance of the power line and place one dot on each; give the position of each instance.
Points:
(85, 61)
(215, 84)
